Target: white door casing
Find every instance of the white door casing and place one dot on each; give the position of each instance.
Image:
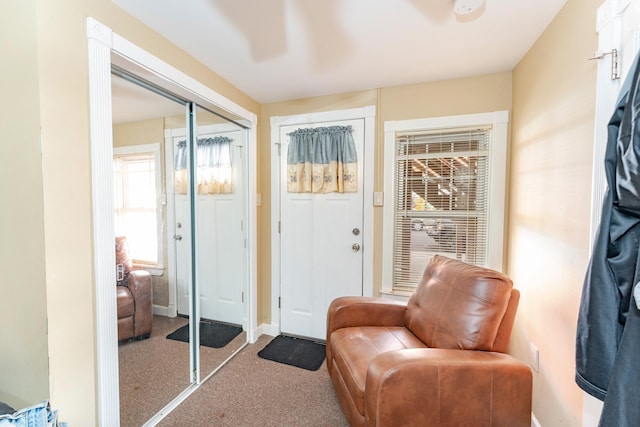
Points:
(312, 259)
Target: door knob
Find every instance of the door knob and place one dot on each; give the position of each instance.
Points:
(177, 236)
(355, 231)
(355, 247)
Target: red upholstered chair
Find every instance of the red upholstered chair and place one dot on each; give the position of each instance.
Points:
(134, 294)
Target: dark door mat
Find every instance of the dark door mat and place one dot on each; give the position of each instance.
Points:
(296, 352)
(212, 334)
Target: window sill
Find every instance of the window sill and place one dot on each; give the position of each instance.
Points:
(396, 295)
(154, 270)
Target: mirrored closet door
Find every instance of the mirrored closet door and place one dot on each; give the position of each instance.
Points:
(179, 177)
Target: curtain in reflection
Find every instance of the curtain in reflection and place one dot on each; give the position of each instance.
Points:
(213, 160)
(322, 160)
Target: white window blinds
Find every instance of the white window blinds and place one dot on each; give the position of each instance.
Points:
(441, 199)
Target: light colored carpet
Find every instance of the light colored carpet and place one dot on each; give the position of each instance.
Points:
(250, 391)
(155, 370)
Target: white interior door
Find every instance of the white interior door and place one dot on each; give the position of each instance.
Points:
(321, 239)
(220, 244)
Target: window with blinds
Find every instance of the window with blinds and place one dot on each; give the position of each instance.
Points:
(136, 182)
(441, 199)
(444, 193)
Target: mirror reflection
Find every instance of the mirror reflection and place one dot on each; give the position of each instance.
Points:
(167, 228)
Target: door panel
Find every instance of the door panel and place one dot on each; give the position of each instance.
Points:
(221, 252)
(318, 262)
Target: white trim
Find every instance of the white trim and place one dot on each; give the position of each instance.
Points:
(180, 82)
(272, 329)
(171, 247)
(534, 421)
(165, 311)
(609, 29)
(368, 114)
(106, 333)
(154, 269)
(497, 181)
(137, 149)
(104, 47)
(395, 295)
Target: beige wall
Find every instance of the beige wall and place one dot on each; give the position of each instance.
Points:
(24, 376)
(444, 98)
(552, 122)
(141, 132)
(551, 168)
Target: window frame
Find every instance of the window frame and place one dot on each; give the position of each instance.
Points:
(142, 149)
(498, 121)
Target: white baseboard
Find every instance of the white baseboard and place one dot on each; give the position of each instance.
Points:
(161, 310)
(272, 329)
(534, 421)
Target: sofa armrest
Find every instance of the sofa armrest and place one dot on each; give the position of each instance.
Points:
(418, 387)
(345, 312)
(139, 283)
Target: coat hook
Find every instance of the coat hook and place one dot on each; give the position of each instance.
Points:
(615, 73)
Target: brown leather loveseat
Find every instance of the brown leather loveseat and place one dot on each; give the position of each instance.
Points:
(134, 296)
(439, 360)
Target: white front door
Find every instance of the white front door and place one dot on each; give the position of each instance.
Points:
(321, 245)
(220, 245)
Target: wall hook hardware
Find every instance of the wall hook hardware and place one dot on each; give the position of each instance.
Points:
(615, 71)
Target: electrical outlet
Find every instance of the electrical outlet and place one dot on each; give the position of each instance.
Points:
(534, 357)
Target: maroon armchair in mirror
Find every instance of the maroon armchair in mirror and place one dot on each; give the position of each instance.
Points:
(134, 296)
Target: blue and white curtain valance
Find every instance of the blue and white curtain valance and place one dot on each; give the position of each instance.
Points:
(214, 166)
(322, 160)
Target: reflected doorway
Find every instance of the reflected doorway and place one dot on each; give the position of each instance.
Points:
(172, 234)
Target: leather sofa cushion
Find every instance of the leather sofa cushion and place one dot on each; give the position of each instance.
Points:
(126, 305)
(458, 306)
(353, 349)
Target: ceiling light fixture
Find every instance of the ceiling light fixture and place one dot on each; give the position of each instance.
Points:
(464, 7)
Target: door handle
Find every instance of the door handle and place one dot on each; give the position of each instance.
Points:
(177, 236)
(355, 247)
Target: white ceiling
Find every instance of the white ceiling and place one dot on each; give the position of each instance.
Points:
(276, 50)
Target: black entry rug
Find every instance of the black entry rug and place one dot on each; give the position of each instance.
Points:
(296, 352)
(212, 334)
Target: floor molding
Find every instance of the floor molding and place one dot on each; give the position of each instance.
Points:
(534, 421)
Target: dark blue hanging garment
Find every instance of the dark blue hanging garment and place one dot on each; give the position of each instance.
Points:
(608, 334)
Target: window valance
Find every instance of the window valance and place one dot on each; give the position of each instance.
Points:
(213, 163)
(322, 160)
